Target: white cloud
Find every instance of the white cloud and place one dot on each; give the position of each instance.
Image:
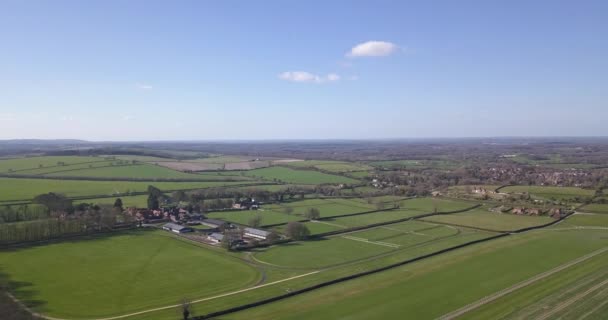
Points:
(127, 118)
(333, 77)
(353, 78)
(303, 76)
(143, 86)
(373, 49)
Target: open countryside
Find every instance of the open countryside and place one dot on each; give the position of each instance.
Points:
(323, 160)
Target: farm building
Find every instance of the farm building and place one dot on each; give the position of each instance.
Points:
(255, 233)
(247, 204)
(176, 228)
(213, 223)
(216, 237)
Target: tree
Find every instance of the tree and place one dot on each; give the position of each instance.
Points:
(54, 202)
(297, 230)
(313, 214)
(153, 203)
(380, 205)
(273, 237)
(179, 196)
(288, 210)
(118, 204)
(255, 221)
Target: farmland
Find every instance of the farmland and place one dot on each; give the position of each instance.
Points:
(444, 278)
(482, 218)
(25, 189)
(132, 269)
(548, 193)
(123, 275)
(297, 176)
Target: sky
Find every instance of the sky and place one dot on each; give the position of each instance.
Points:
(215, 70)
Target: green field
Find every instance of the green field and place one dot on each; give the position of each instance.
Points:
(547, 193)
(428, 205)
(578, 293)
(327, 207)
(595, 208)
(298, 176)
(446, 282)
(243, 217)
(23, 189)
(355, 246)
(140, 171)
(18, 164)
(585, 220)
(332, 166)
(110, 275)
(482, 218)
(127, 201)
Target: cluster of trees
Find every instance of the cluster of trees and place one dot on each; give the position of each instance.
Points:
(25, 212)
(297, 230)
(63, 218)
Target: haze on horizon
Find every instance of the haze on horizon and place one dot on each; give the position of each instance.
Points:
(193, 70)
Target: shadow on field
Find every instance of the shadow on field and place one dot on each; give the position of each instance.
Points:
(21, 290)
(74, 239)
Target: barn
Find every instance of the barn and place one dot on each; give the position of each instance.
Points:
(174, 227)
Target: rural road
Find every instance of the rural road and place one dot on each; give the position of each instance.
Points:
(457, 313)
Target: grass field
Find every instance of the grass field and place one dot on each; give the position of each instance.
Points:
(127, 201)
(586, 220)
(140, 171)
(429, 205)
(446, 282)
(547, 193)
(298, 176)
(581, 292)
(109, 275)
(23, 189)
(327, 207)
(482, 218)
(243, 217)
(595, 208)
(35, 162)
(332, 166)
(354, 246)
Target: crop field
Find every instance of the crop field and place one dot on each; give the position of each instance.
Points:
(108, 275)
(547, 193)
(447, 282)
(24, 189)
(595, 208)
(298, 176)
(484, 219)
(411, 164)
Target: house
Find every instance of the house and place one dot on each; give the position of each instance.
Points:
(213, 223)
(216, 237)
(255, 233)
(173, 227)
(247, 204)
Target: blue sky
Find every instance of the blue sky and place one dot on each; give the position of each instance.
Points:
(164, 70)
